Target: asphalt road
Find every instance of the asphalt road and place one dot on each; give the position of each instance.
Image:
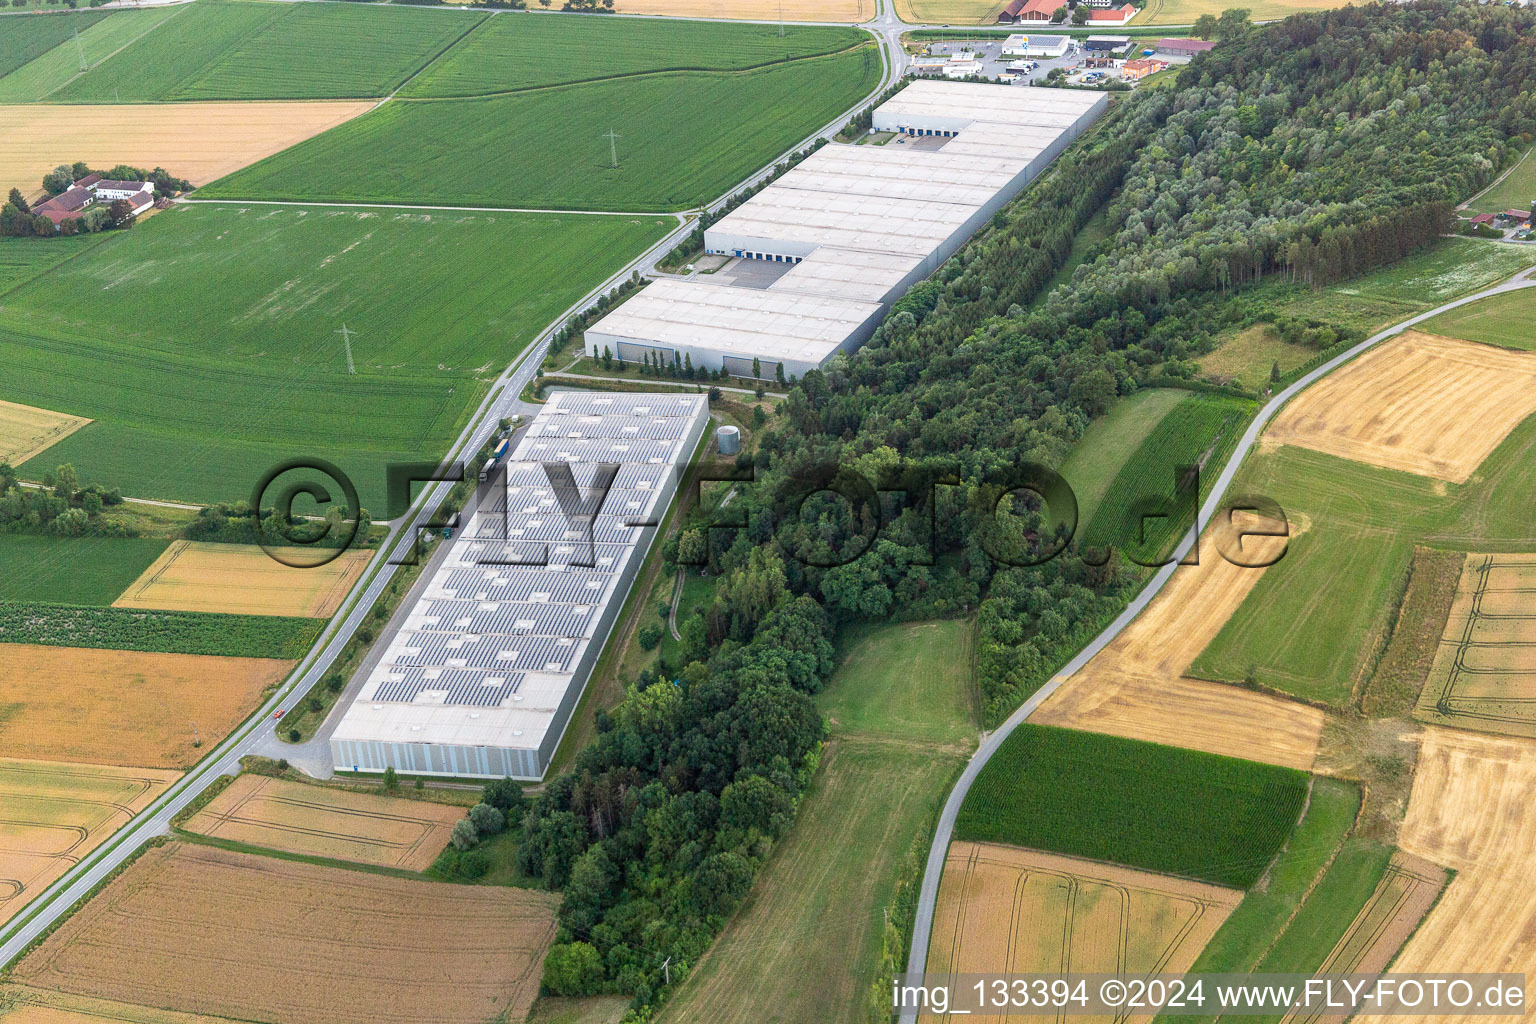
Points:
(922, 927)
(255, 733)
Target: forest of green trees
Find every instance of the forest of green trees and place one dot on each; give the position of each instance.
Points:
(1299, 152)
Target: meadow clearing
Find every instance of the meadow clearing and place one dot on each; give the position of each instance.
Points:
(196, 141)
(689, 136)
(1315, 624)
(1419, 403)
(1484, 673)
(1110, 441)
(110, 707)
(1516, 192)
(181, 913)
(242, 579)
(1143, 805)
(56, 813)
(1248, 358)
(1137, 687)
(25, 431)
(1503, 320)
(1001, 909)
(336, 824)
(507, 54)
(808, 939)
(72, 570)
(198, 399)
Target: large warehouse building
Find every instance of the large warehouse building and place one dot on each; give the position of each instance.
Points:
(849, 230)
(488, 667)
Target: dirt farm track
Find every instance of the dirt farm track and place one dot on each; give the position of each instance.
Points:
(307, 940)
(196, 141)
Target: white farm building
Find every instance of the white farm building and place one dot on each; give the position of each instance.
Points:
(1036, 45)
(850, 230)
(488, 666)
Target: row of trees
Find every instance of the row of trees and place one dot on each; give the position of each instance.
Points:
(61, 507)
(1303, 149)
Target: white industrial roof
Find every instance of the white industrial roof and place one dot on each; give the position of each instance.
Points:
(487, 654)
(862, 219)
(767, 322)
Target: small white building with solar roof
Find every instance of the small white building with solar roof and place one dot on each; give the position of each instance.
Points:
(849, 230)
(485, 671)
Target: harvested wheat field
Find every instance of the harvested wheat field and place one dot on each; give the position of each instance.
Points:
(1135, 687)
(197, 141)
(20, 1004)
(242, 579)
(325, 822)
(1423, 404)
(1484, 675)
(315, 945)
(53, 814)
(1006, 910)
(25, 431)
(763, 10)
(124, 707)
(1471, 810)
(1408, 888)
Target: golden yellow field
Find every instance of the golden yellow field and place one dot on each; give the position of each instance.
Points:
(1422, 404)
(764, 10)
(242, 579)
(950, 12)
(1184, 12)
(314, 945)
(197, 141)
(1484, 675)
(1136, 688)
(1472, 811)
(1006, 910)
(25, 431)
(123, 707)
(326, 822)
(20, 1004)
(53, 814)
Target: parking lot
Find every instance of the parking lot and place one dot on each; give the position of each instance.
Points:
(995, 65)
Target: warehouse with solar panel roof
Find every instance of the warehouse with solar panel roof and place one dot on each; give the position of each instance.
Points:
(486, 670)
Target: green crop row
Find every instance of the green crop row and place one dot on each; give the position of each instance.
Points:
(126, 629)
(1164, 809)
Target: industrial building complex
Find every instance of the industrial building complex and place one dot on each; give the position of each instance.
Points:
(849, 230)
(486, 670)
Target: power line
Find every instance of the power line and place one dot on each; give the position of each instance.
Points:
(613, 138)
(346, 337)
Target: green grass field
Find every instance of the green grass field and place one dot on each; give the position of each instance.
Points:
(72, 570)
(52, 70)
(1350, 880)
(1165, 809)
(1313, 621)
(1452, 268)
(1248, 358)
(248, 50)
(1200, 431)
(891, 678)
(1505, 320)
(22, 259)
(1110, 441)
(683, 139)
(519, 53)
(1516, 192)
(26, 39)
(203, 342)
(808, 940)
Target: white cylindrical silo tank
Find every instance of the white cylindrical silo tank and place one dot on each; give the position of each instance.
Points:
(729, 440)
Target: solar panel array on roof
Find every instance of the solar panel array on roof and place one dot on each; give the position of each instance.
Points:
(460, 687)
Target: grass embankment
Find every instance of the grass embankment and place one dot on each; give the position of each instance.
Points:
(813, 924)
(1164, 809)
